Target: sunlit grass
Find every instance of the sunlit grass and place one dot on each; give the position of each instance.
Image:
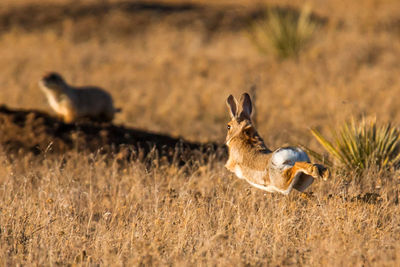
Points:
(173, 77)
(79, 209)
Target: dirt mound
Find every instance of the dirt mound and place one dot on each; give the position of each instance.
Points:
(35, 132)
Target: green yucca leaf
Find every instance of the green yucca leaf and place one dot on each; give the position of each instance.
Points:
(327, 145)
(317, 156)
(359, 146)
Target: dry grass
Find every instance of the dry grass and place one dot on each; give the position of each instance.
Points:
(78, 209)
(282, 32)
(171, 73)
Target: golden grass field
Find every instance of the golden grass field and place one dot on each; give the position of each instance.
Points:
(170, 69)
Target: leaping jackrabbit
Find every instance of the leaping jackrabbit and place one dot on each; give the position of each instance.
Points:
(273, 171)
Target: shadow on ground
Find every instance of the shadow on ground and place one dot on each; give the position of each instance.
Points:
(37, 133)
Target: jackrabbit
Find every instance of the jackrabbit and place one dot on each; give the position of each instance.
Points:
(273, 171)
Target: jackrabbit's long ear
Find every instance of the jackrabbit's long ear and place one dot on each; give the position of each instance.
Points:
(232, 105)
(245, 106)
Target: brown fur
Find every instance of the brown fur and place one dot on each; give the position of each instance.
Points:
(73, 103)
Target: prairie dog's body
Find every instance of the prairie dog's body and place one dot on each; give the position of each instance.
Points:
(73, 103)
(273, 171)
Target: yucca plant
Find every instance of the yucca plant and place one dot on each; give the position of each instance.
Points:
(283, 31)
(360, 146)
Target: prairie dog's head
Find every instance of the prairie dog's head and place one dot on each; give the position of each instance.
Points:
(240, 127)
(52, 81)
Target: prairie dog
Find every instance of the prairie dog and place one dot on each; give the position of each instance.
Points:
(72, 103)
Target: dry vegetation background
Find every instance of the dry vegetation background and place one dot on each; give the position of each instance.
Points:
(170, 68)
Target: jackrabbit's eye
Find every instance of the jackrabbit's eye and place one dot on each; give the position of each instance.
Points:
(229, 127)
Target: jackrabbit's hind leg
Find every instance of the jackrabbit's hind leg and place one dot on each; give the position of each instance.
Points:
(301, 174)
(303, 182)
(307, 168)
(315, 170)
(324, 172)
(305, 173)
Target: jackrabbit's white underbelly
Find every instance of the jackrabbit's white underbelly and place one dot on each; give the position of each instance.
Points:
(270, 188)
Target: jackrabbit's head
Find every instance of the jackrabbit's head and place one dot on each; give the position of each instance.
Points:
(240, 127)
